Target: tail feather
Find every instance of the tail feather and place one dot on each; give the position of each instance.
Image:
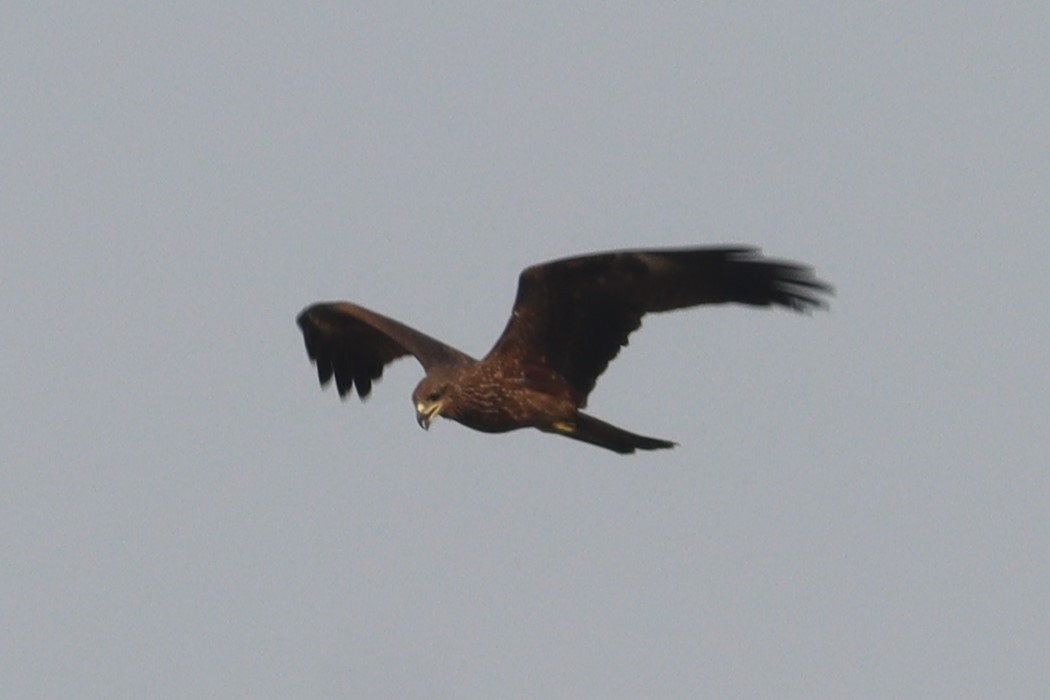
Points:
(596, 432)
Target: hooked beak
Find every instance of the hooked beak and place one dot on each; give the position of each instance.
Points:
(426, 413)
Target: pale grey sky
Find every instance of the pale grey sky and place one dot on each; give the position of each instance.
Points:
(859, 505)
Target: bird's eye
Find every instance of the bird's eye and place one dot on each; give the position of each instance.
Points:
(434, 396)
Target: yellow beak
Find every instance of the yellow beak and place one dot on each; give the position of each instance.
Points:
(426, 413)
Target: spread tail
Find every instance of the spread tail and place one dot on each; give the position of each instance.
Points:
(595, 432)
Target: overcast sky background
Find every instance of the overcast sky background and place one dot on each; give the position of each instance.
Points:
(859, 504)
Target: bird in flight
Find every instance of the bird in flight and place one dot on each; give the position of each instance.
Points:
(570, 319)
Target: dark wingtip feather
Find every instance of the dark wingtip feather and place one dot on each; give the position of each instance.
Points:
(784, 283)
(324, 372)
(331, 354)
(804, 293)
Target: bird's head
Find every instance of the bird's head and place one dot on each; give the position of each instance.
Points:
(431, 399)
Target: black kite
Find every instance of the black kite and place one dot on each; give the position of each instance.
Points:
(570, 319)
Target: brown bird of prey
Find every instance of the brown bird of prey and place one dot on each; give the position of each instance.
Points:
(570, 319)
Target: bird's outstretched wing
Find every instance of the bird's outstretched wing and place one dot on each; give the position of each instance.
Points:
(354, 344)
(573, 315)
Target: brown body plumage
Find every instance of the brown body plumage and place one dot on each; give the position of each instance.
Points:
(570, 319)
